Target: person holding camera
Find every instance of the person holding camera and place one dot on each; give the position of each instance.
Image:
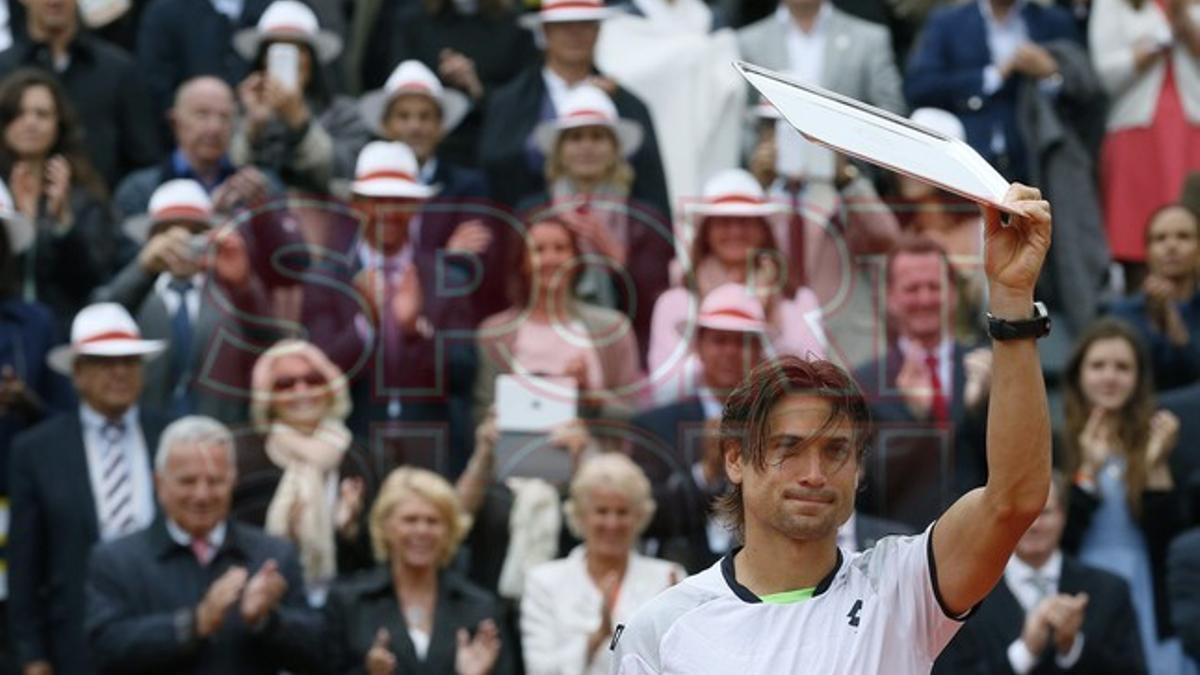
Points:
(177, 292)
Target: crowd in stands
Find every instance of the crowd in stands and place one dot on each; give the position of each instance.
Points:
(290, 288)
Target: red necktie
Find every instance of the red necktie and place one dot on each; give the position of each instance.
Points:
(938, 411)
(201, 549)
(796, 273)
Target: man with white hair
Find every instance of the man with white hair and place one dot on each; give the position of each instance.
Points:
(197, 592)
(75, 479)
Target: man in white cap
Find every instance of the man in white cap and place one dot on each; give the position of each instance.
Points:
(515, 166)
(78, 478)
(182, 296)
(414, 108)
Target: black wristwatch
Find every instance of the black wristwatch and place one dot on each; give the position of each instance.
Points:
(1038, 326)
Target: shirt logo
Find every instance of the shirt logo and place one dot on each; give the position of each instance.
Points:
(612, 646)
(853, 615)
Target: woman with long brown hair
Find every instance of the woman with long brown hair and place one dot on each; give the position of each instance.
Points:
(1124, 508)
(54, 185)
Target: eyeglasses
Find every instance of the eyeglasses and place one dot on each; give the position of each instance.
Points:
(289, 382)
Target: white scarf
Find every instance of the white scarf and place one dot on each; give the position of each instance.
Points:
(306, 462)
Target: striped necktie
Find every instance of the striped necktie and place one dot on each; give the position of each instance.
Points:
(116, 483)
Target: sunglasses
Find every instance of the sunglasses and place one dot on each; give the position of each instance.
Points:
(289, 382)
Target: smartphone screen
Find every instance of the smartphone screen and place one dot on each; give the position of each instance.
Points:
(283, 64)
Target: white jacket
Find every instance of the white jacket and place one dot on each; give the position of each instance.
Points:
(561, 607)
(1113, 30)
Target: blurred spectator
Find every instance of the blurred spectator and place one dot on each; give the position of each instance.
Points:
(973, 60)
(302, 455)
(1049, 613)
(549, 331)
(1146, 54)
(736, 237)
(98, 78)
(955, 223)
(179, 40)
(508, 151)
(819, 44)
(413, 613)
(927, 395)
(77, 478)
(196, 591)
(1018, 77)
(588, 181)
(571, 606)
(1183, 566)
(1166, 313)
(1189, 193)
(203, 310)
(475, 48)
(1124, 507)
(676, 444)
(54, 185)
(29, 390)
(415, 109)
(299, 129)
(202, 123)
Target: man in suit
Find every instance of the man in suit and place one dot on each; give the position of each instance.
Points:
(972, 60)
(1183, 585)
(78, 478)
(927, 394)
(515, 167)
(819, 44)
(1049, 613)
(675, 444)
(196, 591)
(204, 312)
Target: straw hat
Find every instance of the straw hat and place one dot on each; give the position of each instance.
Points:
(732, 307)
(386, 169)
(587, 106)
(288, 21)
(103, 329)
(734, 192)
(413, 77)
(561, 11)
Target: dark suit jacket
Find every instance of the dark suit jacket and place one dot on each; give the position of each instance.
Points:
(915, 470)
(54, 525)
(1183, 585)
(142, 591)
(946, 71)
(513, 112)
(358, 607)
(1111, 644)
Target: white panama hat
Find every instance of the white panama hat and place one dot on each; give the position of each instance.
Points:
(413, 77)
(103, 329)
(587, 106)
(562, 11)
(732, 307)
(388, 169)
(291, 21)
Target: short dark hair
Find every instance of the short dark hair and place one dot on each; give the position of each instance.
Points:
(746, 416)
(918, 244)
(1164, 209)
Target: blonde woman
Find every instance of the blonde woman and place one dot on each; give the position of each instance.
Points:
(411, 614)
(571, 605)
(303, 453)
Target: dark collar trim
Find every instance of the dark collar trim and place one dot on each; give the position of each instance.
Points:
(747, 595)
(933, 579)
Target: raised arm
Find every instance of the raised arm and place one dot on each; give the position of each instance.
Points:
(973, 540)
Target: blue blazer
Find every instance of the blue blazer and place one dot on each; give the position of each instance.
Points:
(946, 71)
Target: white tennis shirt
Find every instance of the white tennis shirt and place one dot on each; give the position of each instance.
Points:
(877, 612)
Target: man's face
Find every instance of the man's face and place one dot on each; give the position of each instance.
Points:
(806, 489)
(919, 296)
(385, 221)
(416, 121)
(51, 15)
(571, 42)
(1172, 249)
(1043, 536)
(195, 488)
(110, 385)
(726, 357)
(203, 120)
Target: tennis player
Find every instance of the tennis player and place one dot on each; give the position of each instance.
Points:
(793, 434)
